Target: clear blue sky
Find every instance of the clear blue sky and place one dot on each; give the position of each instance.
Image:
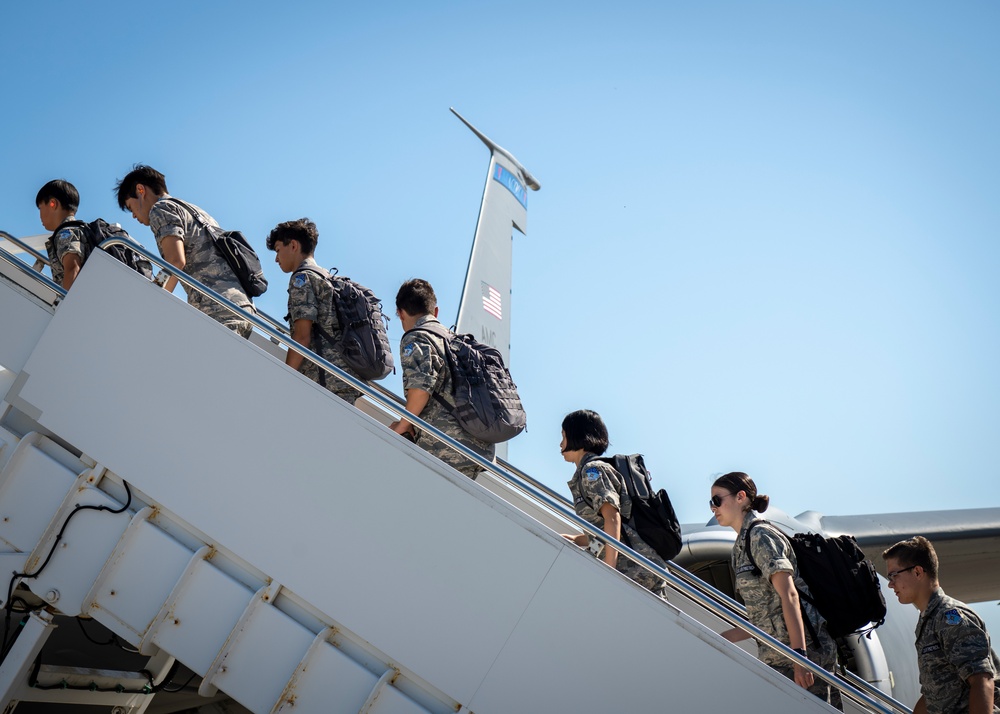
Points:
(767, 235)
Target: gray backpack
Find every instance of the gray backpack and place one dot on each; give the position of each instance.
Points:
(486, 404)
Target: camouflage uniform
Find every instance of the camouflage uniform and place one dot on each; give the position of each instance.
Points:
(425, 367)
(203, 262)
(595, 483)
(310, 297)
(773, 554)
(66, 240)
(952, 645)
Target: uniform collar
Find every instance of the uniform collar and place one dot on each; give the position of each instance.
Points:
(69, 219)
(424, 319)
(309, 262)
(748, 518)
(937, 597)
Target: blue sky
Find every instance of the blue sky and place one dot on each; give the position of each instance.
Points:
(766, 238)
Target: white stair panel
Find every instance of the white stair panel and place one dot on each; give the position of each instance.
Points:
(201, 616)
(36, 482)
(79, 558)
(138, 578)
(268, 637)
(331, 682)
(25, 317)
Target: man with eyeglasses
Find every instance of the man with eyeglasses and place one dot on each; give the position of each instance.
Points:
(958, 668)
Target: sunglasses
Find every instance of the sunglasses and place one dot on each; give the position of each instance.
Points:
(716, 501)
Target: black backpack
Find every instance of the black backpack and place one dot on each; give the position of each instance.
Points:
(237, 251)
(843, 583)
(364, 344)
(653, 515)
(487, 405)
(99, 231)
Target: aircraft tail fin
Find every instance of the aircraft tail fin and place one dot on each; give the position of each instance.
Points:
(484, 310)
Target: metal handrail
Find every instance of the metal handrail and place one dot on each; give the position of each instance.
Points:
(25, 247)
(696, 592)
(32, 273)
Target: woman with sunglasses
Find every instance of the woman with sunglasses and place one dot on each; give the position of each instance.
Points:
(771, 594)
(600, 497)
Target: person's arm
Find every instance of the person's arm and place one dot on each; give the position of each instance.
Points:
(790, 610)
(921, 706)
(172, 250)
(301, 333)
(736, 635)
(416, 400)
(71, 268)
(980, 693)
(613, 527)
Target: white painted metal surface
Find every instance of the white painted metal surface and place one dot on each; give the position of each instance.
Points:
(299, 556)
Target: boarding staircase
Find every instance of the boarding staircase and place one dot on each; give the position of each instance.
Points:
(210, 507)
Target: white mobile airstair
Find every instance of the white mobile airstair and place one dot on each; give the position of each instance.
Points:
(182, 488)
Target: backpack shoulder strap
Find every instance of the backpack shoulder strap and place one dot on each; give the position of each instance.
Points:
(434, 328)
(189, 208)
(315, 270)
(746, 541)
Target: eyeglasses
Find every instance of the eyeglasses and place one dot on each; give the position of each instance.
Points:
(896, 573)
(716, 501)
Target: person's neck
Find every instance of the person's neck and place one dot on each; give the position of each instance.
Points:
(923, 599)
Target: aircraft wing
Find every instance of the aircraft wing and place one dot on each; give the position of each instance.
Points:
(967, 543)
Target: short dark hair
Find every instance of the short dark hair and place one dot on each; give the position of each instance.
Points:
(585, 430)
(140, 174)
(303, 230)
(915, 551)
(736, 481)
(61, 190)
(416, 297)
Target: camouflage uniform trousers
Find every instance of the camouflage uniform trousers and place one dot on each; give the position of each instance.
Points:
(223, 316)
(435, 415)
(636, 572)
(825, 657)
(329, 381)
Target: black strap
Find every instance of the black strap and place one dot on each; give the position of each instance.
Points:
(193, 211)
(757, 572)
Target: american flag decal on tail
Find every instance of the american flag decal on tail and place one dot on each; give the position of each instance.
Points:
(491, 301)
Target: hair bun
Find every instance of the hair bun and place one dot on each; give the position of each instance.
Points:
(760, 503)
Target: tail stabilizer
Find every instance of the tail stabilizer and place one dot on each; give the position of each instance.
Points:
(484, 309)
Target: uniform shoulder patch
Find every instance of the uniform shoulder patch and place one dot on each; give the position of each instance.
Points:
(408, 350)
(592, 473)
(65, 234)
(953, 617)
(299, 280)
